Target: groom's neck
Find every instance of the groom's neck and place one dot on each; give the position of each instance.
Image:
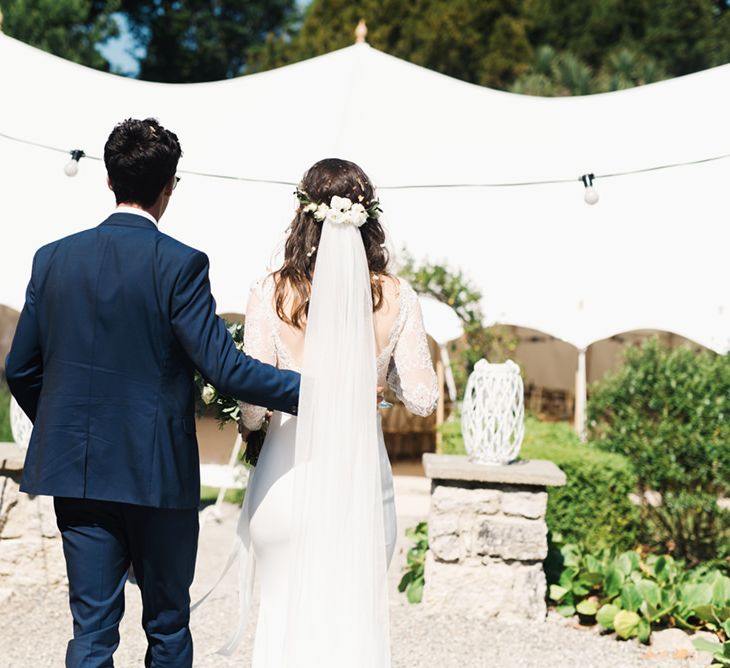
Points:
(156, 210)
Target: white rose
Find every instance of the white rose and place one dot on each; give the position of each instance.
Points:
(358, 215)
(336, 217)
(311, 207)
(208, 395)
(321, 212)
(340, 203)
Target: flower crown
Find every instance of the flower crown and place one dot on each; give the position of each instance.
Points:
(340, 210)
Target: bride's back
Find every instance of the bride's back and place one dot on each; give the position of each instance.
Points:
(337, 192)
(290, 340)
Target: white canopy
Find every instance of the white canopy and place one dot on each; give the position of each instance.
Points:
(651, 255)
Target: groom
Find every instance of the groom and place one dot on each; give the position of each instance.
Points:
(116, 320)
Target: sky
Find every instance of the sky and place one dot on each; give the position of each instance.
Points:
(123, 51)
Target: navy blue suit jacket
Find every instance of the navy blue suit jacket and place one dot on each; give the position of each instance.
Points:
(116, 320)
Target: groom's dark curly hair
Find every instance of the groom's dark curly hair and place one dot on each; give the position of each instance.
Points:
(141, 158)
(320, 182)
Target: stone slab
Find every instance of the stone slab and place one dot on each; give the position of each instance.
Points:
(531, 472)
(12, 456)
(486, 589)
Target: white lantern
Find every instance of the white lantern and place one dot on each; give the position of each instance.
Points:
(20, 426)
(493, 413)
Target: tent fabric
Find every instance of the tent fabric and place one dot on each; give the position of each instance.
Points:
(650, 255)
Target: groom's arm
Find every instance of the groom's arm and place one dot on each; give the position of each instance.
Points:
(24, 363)
(204, 337)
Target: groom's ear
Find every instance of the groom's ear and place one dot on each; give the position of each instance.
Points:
(169, 187)
(109, 183)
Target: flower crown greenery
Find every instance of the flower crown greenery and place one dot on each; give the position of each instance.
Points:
(340, 210)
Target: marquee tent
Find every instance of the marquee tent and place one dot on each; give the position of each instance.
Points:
(650, 255)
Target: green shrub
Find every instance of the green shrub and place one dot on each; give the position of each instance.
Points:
(593, 508)
(668, 411)
(5, 433)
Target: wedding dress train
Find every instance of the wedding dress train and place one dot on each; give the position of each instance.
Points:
(266, 524)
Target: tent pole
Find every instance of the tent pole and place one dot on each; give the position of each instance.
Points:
(581, 398)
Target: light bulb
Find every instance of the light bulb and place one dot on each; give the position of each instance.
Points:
(71, 168)
(591, 195)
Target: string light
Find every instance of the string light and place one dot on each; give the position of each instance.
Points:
(72, 166)
(591, 195)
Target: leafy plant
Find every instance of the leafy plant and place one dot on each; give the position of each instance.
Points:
(454, 288)
(413, 580)
(668, 411)
(210, 401)
(5, 433)
(631, 595)
(720, 650)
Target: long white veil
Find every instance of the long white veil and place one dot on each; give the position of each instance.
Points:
(338, 608)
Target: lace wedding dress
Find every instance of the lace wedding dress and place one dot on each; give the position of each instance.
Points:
(268, 518)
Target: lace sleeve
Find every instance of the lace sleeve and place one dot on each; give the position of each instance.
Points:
(258, 342)
(411, 374)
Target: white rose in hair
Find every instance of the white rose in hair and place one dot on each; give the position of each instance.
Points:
(321, 212)
(358, 215)
(340, 203)
(311, 207)
(336, 217)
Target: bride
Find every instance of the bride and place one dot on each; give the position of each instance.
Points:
(318, 523)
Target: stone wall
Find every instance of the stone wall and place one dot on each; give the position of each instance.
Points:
(30, 544)
(488, 538)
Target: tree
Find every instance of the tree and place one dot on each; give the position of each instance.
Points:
(482, 41)
(201, 40)
(70, 29)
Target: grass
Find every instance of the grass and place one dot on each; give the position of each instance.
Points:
(209, 495)
(543, 440)
(5, 433)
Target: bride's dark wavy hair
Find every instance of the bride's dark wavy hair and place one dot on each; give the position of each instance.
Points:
(321, 182)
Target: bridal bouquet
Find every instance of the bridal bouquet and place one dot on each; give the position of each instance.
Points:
(223, 408)
(227, 409)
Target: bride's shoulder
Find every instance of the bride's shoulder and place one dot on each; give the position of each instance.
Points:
(397, 292)
(263, 285)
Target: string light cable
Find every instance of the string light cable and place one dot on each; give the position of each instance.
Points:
(591, 195)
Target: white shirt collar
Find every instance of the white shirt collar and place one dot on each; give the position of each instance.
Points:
(134, 210)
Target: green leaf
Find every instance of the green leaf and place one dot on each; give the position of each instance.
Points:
(626, 623)
(643, 630)
(627, 562)
(405, 581)
(614, 581)
(696, 595)
(588, 607)
(581, 587)
(721, 591)
(650, 592)
(705, 645)
(566, 610)
(606, 615)
(630, 597)
(557, 592)
(567, 577)
(415, 591)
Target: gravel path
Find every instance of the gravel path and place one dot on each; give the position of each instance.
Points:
(35, 624)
